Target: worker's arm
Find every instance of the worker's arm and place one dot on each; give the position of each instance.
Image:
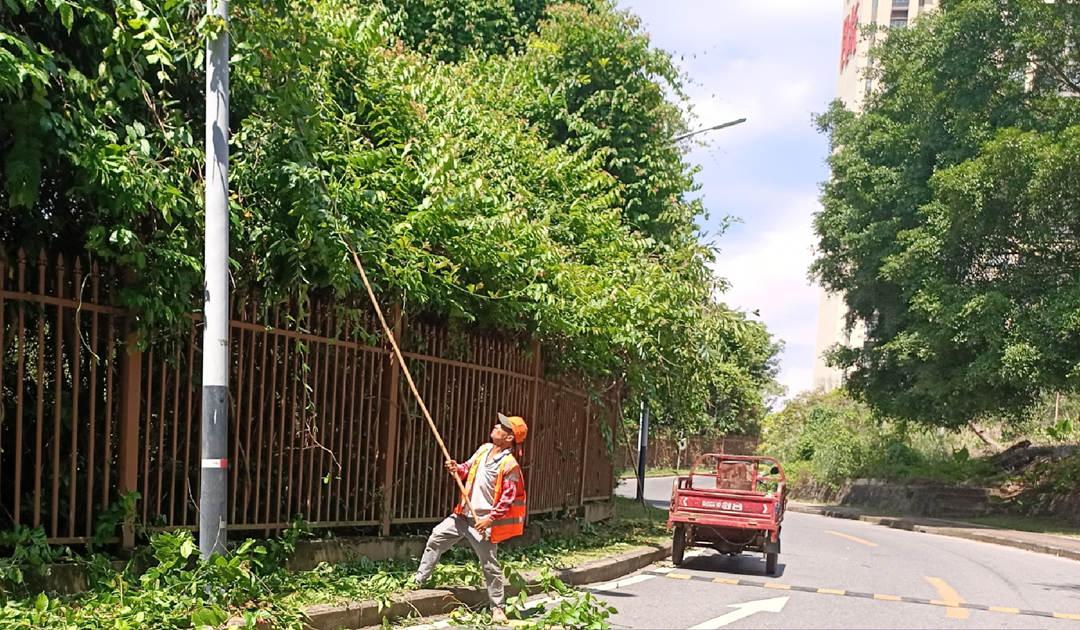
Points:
(506, 499)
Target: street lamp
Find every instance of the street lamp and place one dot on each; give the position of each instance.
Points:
(643, 426)
(731, 123)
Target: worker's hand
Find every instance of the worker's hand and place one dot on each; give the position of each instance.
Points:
(451, 466)
(483, 524)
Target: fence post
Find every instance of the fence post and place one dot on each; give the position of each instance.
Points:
(391, 418)
(584, 446)
(534, 411)
(537, 379)
(128, 457)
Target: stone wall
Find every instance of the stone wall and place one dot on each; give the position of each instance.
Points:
(911, 500)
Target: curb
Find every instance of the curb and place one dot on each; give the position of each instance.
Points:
(1003, 541)
(431, 602)
(911, 525)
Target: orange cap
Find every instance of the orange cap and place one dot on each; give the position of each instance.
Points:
(517, 426)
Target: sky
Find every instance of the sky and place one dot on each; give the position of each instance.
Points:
(774, 62)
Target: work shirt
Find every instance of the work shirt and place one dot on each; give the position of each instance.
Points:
(483, 501)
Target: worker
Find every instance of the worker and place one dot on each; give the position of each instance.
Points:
(495, 488)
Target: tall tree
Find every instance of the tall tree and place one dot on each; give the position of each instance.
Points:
(342, 125)
(951, 220)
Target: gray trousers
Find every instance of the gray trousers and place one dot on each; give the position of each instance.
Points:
(445, 535)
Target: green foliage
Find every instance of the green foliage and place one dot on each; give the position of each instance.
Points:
(253, 584)
(30, 553)
(830, 439)
(949, 222)
(1040, 488)
(502, 164)
(177, 590)
(570, 608)
(449, 31)
(1053, 420)
(120, 514)
(1053, 478)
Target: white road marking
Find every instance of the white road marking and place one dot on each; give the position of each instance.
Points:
(617, 584)
(742, 611)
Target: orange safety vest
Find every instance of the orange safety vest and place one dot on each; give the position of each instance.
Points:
(513, 522)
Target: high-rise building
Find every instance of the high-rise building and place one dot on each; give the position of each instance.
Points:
(852, 88)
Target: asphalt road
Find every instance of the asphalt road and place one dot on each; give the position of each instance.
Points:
(853, 575)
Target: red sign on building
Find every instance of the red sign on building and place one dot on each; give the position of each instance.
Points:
(850, 37)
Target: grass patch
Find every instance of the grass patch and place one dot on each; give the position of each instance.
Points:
(632, 526)
(180, 591)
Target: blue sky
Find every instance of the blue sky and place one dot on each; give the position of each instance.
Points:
(775, 63)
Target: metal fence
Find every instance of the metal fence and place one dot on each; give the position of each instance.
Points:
(322, 426)
(664, 452)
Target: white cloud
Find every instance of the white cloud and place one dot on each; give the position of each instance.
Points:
(754, 92)
(712, 20)
(768, 274)
(775, 63)
(759, 59)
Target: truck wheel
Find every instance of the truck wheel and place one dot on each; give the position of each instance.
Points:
(770, 563)
(678, 545)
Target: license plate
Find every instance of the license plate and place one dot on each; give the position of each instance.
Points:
(750, 508)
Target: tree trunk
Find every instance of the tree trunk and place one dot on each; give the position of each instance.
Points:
(986, 440)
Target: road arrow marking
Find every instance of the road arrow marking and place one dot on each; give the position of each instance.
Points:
(742, 611)
(949, 597)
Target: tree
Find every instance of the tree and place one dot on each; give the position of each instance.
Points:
(451, 31)
(951, 220)
(347, 127)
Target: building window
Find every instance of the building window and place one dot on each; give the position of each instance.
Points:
(899, 17)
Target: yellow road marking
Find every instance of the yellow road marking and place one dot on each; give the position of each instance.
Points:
(1005, 609)
(949, 597)
(861, 541)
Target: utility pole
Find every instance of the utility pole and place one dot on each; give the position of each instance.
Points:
(214, 437)
(643, 445)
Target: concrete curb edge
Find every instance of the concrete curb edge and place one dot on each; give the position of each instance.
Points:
(430, 602)
(954, 532)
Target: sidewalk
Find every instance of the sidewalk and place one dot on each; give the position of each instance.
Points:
(1064, 546)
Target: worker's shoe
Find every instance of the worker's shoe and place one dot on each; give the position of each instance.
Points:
(498, 616)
